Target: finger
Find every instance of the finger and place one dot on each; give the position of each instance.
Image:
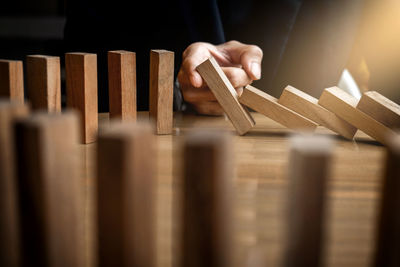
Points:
(237, 76)
(193, 95)
(209, 108)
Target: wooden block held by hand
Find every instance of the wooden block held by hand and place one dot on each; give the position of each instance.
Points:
(162, 89)
(226, 95)
(81, 81)
(269, 106)
(122, 84)
(43, 82)
(12, 79)
(308, 107)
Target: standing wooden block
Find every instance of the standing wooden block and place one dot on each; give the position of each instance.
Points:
(344, 106)
(9, 231)
(226, 95)
(380, 108)
(162, 89)
(122, 84)
(126, 196)
(207, 196)
(308, 107)
(81, 80)
(269, 106)
(308, 173)
(388, 227)
(44, 83)
(12, 79)
(51, 196)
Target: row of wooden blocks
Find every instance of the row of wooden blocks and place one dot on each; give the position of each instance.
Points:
(374, 114)
(44, 86)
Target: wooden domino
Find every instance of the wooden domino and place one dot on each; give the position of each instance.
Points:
(207, 196)
(51, 190)
(81, 81)
(161, 90)
(126, 196)
(9, 231)
(380, 108)
(269, 106)
(226, 95)
(308, 173)
(43, 82)
(12, 79)
(344, 106)
(308, 107)
(122, 84)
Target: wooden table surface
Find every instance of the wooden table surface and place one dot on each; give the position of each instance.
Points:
(261, 159)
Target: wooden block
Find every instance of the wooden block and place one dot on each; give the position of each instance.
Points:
(207, 200)
(269, 106)
(44, 83)
(12, 79)
(81, 81)
(51, 190)
(122, 84)
(162, 89)
(308, 107)
(9, 231)
(226, 95)
(126, 196)
(308, 169)
(388, 227)
(380, 108)
(344, 106)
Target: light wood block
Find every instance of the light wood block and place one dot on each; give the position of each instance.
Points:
(207, 200)
(380, 108)
(126, 196)
(81, 81)
(309, 162)
(269, 106)
(161, 90)
(9, 231)
(226, 95)
(122, 84)
(12, 79)
(43, 82)
(308, 107)
(344, 106)
(51, 190)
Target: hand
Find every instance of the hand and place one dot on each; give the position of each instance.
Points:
(240, 62)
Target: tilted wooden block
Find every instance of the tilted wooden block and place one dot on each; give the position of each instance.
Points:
(81, 81)
(269, 106)
(344, 106)
(162, 90)
(226, 95)
(122, 84)
(308, 107)
(43, 82)
(12, 79)
(380, 108)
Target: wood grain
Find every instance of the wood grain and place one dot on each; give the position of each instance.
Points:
(12, 79)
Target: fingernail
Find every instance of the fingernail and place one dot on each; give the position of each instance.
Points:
(256, 70)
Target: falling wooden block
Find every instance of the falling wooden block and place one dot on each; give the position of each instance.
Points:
(12, 79)
(207, 200)
(380, 108)
(9, 231)
(308, 107)
(388, 226)
(344, 106)
(226, 95)
(161, 90)
(269, 106)
(51, 196)
(81, 81)
(308, 173)
(122, 84)
(43, 82)
(126, 196)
